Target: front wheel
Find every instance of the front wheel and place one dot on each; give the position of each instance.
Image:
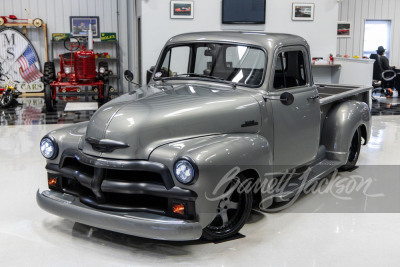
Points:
(232, 213)
(48, 97)
(354, 152)
(6, 99)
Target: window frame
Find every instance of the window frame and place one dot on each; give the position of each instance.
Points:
(307, 66)
(192, 44)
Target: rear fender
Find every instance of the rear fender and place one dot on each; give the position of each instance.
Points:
(340, 125)
(218, 158)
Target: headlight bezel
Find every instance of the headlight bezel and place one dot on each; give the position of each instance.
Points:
(193, 164)
(55, 146)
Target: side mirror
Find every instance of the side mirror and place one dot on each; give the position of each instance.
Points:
(128, 75)
(150, 73)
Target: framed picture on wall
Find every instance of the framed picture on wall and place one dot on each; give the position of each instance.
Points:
(181, 9)
(79, 26)
(302, 11)
(344, 29)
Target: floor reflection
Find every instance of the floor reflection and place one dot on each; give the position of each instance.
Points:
(386, 106)
(160, 247)
(31, 111)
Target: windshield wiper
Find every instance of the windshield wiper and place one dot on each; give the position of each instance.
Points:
(201, 75)
(185, 75)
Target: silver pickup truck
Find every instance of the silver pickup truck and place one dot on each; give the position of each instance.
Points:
(223, 118)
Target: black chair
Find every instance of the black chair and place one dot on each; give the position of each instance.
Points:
(382, 79)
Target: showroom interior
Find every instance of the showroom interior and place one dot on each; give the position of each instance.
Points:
(55, 74)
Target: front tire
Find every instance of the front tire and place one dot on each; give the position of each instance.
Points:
(232, 213)
(48, 93)
(6, 99)
(354, 152)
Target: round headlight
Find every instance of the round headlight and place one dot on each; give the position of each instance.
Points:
(67, 70)
(48, 148)
(184, 171)
(102, 70)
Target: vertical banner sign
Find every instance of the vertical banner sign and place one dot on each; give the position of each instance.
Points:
(19, 61)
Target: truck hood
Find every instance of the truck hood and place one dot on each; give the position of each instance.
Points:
(134, 124)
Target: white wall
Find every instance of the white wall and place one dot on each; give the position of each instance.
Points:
(56, 14)
(357, 11)
(157, 26)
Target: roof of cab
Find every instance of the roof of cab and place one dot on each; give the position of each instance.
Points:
(263, 39)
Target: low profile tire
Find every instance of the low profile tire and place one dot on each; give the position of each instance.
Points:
(232, 214)
(354, 152)
(48, 93)
(6, 99)
(49, 72)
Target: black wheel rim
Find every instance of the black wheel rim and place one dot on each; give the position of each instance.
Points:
(354, 148)
(229, 211)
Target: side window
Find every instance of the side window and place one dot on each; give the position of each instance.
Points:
(289, 70)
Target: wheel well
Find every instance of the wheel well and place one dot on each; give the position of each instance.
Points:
(363, 131)
(251, 173)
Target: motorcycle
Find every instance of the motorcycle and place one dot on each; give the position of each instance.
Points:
(9, 92)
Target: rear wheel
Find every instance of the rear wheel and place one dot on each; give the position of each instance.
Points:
(48, 94)
(354, 152)
(6, 99)
(49, 73)
(232, 213)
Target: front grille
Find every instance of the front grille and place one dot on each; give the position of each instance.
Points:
(134, 176)
(137, 186)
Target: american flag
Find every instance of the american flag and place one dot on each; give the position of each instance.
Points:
(28, 70)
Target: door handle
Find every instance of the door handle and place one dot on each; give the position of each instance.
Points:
(313, 97)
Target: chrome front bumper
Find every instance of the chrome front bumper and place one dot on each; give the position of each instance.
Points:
(140, 224)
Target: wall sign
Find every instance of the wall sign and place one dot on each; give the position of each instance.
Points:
(79, 26)
(344, 29)
(19, 61)
(181, 9)
(302, 11)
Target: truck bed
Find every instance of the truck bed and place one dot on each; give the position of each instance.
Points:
(329, 93)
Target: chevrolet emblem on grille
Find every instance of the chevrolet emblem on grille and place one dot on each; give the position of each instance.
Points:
(105, 145)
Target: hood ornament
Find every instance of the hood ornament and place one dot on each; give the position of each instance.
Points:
(105, 145)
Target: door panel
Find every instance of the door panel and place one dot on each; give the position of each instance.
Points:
(296, 124)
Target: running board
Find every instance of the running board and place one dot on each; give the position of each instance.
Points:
(293, 186)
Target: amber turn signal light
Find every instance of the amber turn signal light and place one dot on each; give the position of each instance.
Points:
(52, 181)
(179, 209)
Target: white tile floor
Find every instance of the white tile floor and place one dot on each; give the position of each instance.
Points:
(32, 237)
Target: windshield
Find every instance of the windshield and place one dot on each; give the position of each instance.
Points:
(238, 64)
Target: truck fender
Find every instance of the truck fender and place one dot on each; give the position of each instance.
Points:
(340, 125)
(68, 137)
(218, 159)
